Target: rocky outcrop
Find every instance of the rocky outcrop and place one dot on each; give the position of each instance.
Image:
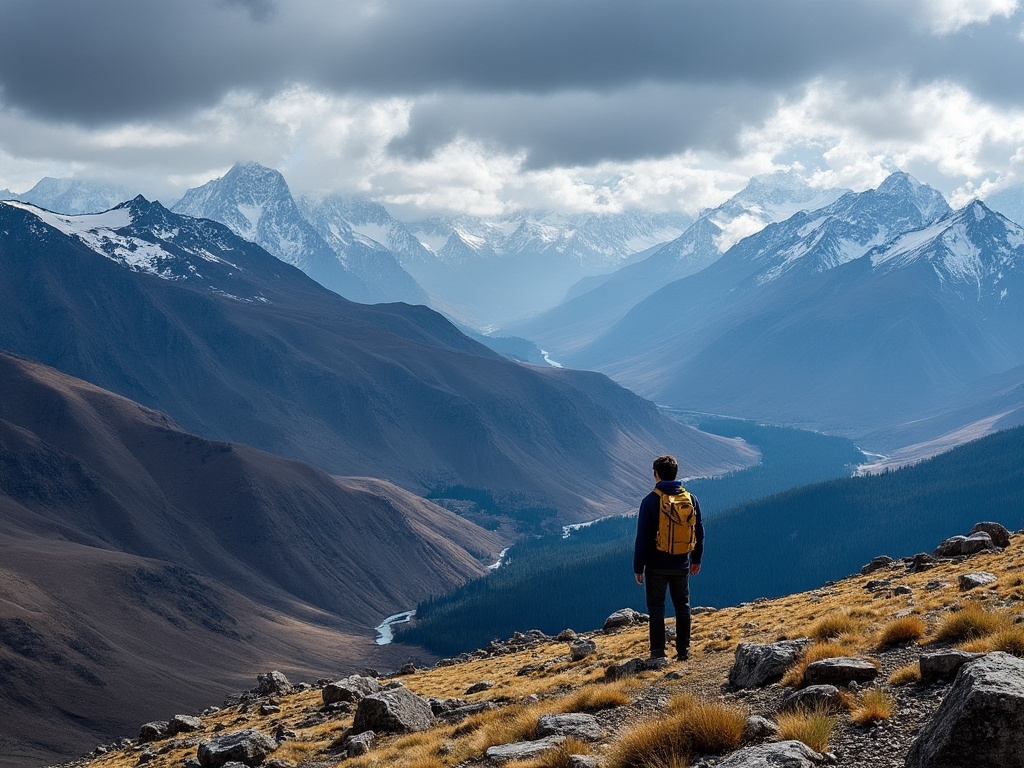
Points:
(784, 754)
(624, 617)
(981, 720)
(943, 665)
(880, 562)
(480, 687)
(582, 648)
(825, 697)
(998, 533)
(153, 731)
(353, 688)
(759, 665)
(249, 747)
(361, 743)
(965, 545)
(969, 581)
(394, 711)
(578, 725)
(523, 750)
(842, 670)
(272, 684)
(758, 729)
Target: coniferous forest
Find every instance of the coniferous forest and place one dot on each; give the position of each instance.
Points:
(783, 543)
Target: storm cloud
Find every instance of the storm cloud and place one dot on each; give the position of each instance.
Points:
(564, 83)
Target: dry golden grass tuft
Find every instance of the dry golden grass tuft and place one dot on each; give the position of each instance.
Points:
(972, 622)
(905, 629)
(834, 626)
(873, 706)
(811, 726)
(691, 726)
(911, 673)
(794, 678)
(592, 698)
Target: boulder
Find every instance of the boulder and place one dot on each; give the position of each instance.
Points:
(583, 761)
(272, 684)
(782, 754)
(758, 729)
(812, 697)
(249, 747)
(880, 562)
(566, 635)
(943, 665)
(582, 648)
(352, 688)
(626, 669)
(920, 562)
(573, 724)
(697, 610)
(624, 617)
(361, 743)
(998, 533)
(970, 581)
(183, 724)
(877, 585)
(981, 720)
(408, 668)
(483, 685)
(758, 665)
(153, 731)
(523, 750)
(842, 670)
(965, 545)
(395, 711)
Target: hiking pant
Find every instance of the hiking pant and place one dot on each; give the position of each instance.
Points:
(678, 585)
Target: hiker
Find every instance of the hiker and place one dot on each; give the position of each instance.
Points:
(669, 546)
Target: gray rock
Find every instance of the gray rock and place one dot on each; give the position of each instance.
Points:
(624, 617)
(903, 590)
(523, 750)
(783, 754)
(395, 711)
(483, 685)
(625, 669)
(153, 731)
(575, 724)
(998, 533)
(880, 562)
(407, 669)
(460, 713)
(759, 729)
(920, 562)
(583, 761)
(352, 688)
(361, 743)
(566, 635)
(269, 709)
(249, 747)
(758, 665)
(876, 585)
(943, 665)
(981, 720)
(812, 697)
(970, 581)
(965, 545)
(272, 684)
(842, 670)
(582, 648)
(697, 610)
(183, 724)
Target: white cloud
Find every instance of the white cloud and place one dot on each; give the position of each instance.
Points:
(948, 16)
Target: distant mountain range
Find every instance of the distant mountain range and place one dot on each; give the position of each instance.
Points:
(595, 305)
(71, 196)
(139, 559)
(856, 317)
(182, 315)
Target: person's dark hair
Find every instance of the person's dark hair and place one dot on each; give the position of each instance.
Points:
(667, 467)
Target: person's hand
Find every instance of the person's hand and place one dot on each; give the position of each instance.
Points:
(639, 578)
(695, 569)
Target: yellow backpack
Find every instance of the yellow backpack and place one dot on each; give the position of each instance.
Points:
(677, 523)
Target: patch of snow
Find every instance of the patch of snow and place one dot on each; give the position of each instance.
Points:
(378, 233)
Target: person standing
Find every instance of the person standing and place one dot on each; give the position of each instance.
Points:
(668, 550)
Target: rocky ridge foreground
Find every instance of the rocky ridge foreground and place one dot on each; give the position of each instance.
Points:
(577, 699)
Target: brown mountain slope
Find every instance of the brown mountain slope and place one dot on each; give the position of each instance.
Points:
(140, 564)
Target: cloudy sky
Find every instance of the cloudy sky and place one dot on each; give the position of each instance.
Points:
(482, 106)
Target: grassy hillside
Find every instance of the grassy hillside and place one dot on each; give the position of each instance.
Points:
(774, 546)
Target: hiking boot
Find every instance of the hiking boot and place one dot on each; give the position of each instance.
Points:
(683, 656)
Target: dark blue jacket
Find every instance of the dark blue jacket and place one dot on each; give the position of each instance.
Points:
(645, 553)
